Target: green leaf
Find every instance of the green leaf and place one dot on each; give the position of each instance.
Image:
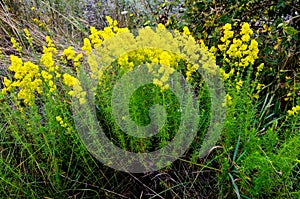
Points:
(290, 30)
(236, 189)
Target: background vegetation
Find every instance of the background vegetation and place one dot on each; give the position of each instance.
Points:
(257, 156)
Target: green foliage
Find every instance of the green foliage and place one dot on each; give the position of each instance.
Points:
(255, 142)
(258, 155)
(276, 29)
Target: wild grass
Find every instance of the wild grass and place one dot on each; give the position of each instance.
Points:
(257, 155)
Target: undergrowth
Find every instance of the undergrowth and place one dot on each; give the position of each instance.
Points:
(42, 155)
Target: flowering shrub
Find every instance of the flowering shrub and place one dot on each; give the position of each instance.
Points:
(35, 103)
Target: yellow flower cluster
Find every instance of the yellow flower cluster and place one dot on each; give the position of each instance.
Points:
(239, 51)
(186, 31)
(16, 45)
(228, 33)
(95, 36)
(61, 122)
(49, 79)
(31, 79)
(87, 47)
(166, 60)
(211, 54)
(260, 68)
(227, 101)
(28, 37)
(50, 69)
(145, 48)
(48, 62)
(69, 80)
(69, 53)
(225, 75)
(98, 36)
(156, 46)
(77, 59)
(246, 32)
(295, 110)
(77, 91)
(164, 72)
(239, 84)
(27, 79)
(50, 46)
(149, 56)
(39, 23)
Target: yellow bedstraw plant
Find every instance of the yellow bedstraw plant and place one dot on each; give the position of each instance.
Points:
(16, 45)
(238, 53)
(144, 48)
(97, 37)
(29, 78)
(47, 78)
(28, 37)
(161, 54)
(294, 111)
